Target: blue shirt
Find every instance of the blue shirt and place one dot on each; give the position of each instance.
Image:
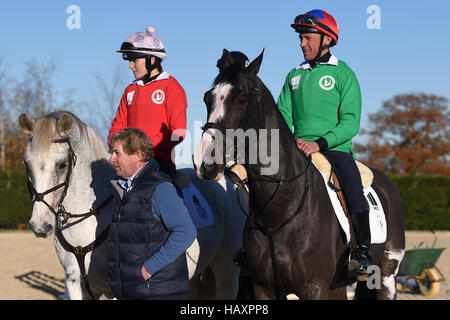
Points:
(168, 207)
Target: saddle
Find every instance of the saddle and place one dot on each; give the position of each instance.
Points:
(324, 166)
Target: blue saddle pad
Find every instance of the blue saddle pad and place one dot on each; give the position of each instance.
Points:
(199, 210)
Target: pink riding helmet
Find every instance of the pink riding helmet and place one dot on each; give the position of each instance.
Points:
(141, 44)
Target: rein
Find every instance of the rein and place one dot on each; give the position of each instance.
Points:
(267, 231)
(62, 215)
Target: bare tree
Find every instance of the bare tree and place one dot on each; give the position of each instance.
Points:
(35, 94)
(104, 97)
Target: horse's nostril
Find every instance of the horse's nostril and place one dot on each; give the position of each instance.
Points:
(48, 228)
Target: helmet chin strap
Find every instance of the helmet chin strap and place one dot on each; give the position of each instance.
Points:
(150, 67)
(322, 47)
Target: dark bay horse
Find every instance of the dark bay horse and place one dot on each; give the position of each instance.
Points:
(293, 241)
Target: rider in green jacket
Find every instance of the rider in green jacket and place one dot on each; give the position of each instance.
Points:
(321, 99)
(307, 88)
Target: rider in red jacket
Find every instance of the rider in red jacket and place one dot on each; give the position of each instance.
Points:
(155, 102)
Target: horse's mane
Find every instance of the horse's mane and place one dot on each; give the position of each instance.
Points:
(45, 130)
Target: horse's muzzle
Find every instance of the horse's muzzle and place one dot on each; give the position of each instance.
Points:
(210, 172)
(42, 231)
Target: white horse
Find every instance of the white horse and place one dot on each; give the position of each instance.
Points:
(68, 177)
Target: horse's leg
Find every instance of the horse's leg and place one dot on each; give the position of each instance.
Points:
(389, 266)
(363, 292)
(226, 277)
(245, 291)
(73, 284)
(261, 292)
(338, 294)
(72, 272)
(316, 290)
(395, 243)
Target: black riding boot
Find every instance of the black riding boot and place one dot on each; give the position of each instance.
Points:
(361, 226)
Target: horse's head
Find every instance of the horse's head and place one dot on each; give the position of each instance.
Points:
(228, 106)
(49, 159)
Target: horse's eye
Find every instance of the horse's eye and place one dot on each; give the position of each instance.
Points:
(62, 166)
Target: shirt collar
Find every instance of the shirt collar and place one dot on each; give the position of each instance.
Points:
(332, 61)
(163, 75)
(128, 183)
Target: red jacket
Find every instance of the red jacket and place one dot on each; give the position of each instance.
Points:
(157, 108)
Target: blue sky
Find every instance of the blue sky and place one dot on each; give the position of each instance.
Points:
(407, 54)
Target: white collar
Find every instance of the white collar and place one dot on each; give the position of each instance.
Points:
(332, 61)
(129, 182)
(163, 75)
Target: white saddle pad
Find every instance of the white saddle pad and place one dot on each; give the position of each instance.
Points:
(197, 206)
(377, 219)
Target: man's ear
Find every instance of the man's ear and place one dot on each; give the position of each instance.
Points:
(140, 156)
(327, 40)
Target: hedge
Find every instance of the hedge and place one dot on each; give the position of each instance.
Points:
(425, 199)
(15, 203)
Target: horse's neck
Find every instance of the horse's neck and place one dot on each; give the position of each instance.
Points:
(290, 161)
(88, 188)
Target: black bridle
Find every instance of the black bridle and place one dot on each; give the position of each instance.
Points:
(255, 100)
(60, 213)
(268, 231)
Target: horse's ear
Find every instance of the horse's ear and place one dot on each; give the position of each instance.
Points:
(26, 122)
(254, 66)
(65, 124)
(225, 60)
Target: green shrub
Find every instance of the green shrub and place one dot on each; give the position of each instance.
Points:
(15, 203)
(426, 201)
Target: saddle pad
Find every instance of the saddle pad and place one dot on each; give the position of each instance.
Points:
(377, 219)
(324, 167)
(199, 210)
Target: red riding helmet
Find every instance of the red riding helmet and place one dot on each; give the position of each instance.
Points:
(317, 21)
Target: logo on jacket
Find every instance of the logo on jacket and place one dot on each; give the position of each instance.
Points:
(158, 96)
(130, 97)
(295, 82)
(327, 82)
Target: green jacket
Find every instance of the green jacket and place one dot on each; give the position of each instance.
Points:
(324, 102)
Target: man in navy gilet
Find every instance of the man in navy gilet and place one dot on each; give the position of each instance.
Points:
(151, 228)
